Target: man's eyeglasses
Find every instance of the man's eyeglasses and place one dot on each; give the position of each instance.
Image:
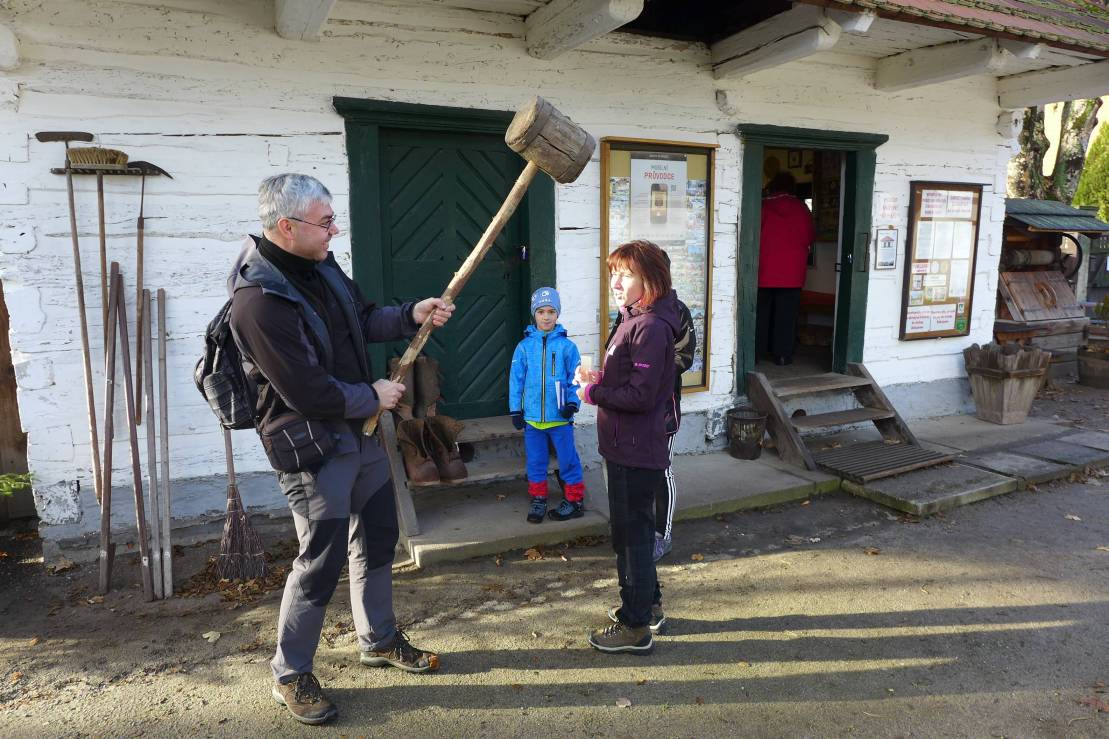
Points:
(326, 225)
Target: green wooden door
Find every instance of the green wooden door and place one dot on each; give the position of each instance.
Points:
(424, 182)
(438, 192)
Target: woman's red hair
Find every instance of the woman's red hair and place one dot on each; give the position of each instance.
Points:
(648, 262)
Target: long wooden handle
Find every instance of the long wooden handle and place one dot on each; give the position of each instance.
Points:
(107, 549)
(230, 455)
(139, 348)
(461, 277)
(103, 252)
(90, 401)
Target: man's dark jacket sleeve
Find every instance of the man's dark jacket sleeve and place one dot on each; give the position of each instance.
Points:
(271, 333)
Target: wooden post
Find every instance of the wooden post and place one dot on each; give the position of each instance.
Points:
(163, 391)
(136, 461)
(152, 454)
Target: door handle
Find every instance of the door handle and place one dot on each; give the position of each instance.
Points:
(523, 252)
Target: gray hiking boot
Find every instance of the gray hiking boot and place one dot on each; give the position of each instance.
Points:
(401, 654)
(658, 618)
(617, 637)
(305, 699)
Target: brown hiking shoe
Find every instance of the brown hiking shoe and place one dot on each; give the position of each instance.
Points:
(401, 654)
(305, 699)
(617, 637)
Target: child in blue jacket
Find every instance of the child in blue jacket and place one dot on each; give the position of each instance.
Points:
(542, 401)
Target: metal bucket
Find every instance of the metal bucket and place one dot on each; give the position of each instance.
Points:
(746, 428)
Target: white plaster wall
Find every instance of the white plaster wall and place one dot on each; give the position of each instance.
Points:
(207, 90)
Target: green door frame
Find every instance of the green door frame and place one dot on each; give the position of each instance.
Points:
(364, 121)
(860, 158)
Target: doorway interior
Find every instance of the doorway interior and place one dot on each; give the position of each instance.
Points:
(839, 187)
(818, 175)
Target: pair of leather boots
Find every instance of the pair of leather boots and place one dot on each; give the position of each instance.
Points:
(428, 441)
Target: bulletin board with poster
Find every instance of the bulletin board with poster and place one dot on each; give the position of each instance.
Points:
(941, 253)
(662, 191)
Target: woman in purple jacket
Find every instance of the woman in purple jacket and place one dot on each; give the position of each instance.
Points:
(631, 391)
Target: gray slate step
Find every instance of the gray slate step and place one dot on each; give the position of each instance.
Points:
(1029, 470)
(1067, 452)
(934, 489)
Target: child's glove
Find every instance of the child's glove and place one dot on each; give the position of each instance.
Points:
(517, 420)
(568, 410)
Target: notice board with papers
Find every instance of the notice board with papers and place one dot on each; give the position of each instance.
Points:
(941, 252)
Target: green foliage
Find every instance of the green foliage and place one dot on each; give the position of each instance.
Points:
(1093, 186)
(11, 482)
(1101, 310)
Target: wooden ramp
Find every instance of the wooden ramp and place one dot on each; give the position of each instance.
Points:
(898, 452)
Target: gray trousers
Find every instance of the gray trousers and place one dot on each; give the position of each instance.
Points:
(346, 512)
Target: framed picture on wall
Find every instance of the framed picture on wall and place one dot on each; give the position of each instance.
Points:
(662, 191)
(940, 255)
(794, 158)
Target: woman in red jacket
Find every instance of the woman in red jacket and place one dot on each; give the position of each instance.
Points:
(632, 392)
(784, 242)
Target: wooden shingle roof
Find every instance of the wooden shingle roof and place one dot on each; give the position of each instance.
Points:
(1081, 25)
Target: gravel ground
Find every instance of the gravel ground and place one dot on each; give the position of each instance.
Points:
(829, 617)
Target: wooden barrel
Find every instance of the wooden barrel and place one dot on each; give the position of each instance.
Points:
(544, 136)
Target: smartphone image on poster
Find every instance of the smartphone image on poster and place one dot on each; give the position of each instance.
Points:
(658, 203)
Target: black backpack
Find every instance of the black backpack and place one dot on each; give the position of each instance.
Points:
(220, 377)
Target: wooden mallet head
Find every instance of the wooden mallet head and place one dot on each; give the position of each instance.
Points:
(550, 140)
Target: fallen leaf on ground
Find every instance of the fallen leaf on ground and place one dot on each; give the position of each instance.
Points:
(872, 551)
(697, 557)
(699, 701)
(1032, 487)
(534, 553)
(62, 565)
(642, 681)
(96, 599)
(501, 497)
(1072, 517)
(35, 641)
(623, 702)
(805, 502)
(16, 677)
(211, 636)
(499, 561)
(1092, 701)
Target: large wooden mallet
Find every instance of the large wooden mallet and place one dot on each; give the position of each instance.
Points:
(550, 142)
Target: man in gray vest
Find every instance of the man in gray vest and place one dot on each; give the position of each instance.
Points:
(302, 325)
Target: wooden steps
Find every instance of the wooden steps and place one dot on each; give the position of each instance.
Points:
(841, 418)
(812, 384)
(872, 406)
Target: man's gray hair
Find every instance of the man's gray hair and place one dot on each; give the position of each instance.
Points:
(289, 196)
